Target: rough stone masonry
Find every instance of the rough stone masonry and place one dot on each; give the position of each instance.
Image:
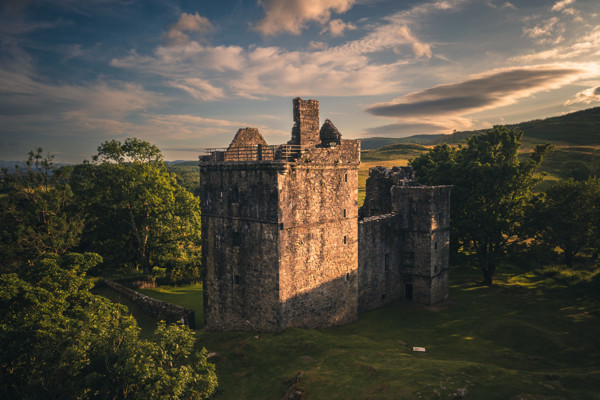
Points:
(285, 245)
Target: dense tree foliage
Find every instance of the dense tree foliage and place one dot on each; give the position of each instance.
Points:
(569, 216)
(39, 214)
(61, 341)
(136, 213)
(491, 191)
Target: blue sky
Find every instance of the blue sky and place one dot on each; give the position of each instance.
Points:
(186, 75)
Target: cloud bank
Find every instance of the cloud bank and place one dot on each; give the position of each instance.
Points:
(481, 92)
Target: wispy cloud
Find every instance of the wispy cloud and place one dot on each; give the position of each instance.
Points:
(187, 23)
(549, 31)
(485, 91)
(586, 46)
(291, 16)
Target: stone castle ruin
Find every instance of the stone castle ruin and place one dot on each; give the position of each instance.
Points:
(284, 243)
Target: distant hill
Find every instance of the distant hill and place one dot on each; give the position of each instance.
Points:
(580, 128)
(393, 151)
(377, 142)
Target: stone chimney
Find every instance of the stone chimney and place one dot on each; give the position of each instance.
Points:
(306, 123)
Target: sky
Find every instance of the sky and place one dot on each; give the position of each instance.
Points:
(186, 75)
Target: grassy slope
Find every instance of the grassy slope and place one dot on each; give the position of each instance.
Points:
(525, 335)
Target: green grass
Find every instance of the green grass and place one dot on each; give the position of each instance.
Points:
(528, 334)
(189, 296)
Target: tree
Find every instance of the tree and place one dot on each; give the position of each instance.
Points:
(136, 211)
(568, 216)
(491, 191)
(66, 342)
(39, 214)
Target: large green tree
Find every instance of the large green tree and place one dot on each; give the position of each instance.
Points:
(38, 214)
(60, 341)
(136, 213)
(491, 191)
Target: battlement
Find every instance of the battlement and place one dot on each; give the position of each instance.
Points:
(308, 145)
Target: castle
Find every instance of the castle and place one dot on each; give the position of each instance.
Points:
(284, 243)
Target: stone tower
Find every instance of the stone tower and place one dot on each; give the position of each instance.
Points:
(280, 230)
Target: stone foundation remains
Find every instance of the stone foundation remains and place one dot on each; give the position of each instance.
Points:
(160, 310)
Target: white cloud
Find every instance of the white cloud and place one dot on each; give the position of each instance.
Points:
(317, 45)
(587, 96)
(291, 16)
(562, 4)
(187, 23)
(337, 27)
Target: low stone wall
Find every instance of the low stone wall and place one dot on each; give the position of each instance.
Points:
(158, 309)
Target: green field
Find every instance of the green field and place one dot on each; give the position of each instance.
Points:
(532, 335)
(189, 296)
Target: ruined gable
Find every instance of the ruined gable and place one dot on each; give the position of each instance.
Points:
(248, 144)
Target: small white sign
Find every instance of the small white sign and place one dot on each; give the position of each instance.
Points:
(419, 349)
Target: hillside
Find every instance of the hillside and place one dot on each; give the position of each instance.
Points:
(577, 128)
(377, 142)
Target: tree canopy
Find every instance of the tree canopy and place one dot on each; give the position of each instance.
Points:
(491, 191)
(66, 342)
(39, 214)
(136, 212)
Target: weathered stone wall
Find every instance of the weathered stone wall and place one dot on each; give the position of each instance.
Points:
(412, 234)
(319, 243)
(160, 310)
(379, 262)
(424, 218)
(240, 234)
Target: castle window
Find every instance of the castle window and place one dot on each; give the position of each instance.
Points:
(235, 238)
(347, 276)
(234, 195)
(345, 177)
(435, 245)
(408, 291)
(345, 240)
(281, 226)
(344, 213)
(382, 296)
(236, 279)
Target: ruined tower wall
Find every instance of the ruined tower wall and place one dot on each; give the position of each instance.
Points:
(240, 253)
(424, 219)
(319, 238)
(403, 239)
(306, 122)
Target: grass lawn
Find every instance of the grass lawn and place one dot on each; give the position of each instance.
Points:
(189, 296)
(524, 337)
